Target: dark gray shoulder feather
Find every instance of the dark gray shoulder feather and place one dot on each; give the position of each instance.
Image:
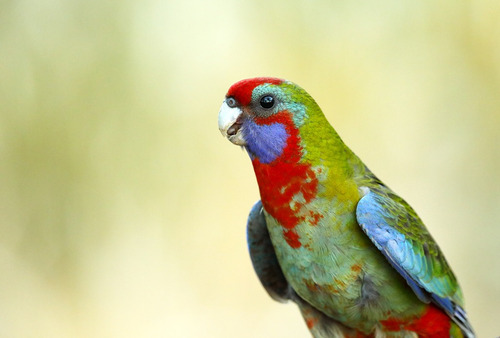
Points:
(263, 257)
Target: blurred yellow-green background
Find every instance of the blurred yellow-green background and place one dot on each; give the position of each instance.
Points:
(122, 209)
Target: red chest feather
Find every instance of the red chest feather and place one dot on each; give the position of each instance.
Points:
(279, 183)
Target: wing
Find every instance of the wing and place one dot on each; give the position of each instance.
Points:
(263, 258)
(397, 231)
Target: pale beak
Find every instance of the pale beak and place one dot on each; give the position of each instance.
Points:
(230, 124)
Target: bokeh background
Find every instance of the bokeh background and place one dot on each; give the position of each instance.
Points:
(122, 209)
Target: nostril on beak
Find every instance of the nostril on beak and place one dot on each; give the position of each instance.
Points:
(233, 129)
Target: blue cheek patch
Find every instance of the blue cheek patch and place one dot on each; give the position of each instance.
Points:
(266, 142)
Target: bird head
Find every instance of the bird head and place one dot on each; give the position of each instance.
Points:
(264, 115)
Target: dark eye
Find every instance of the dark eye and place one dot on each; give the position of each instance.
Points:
(267, 102)
(231, 102)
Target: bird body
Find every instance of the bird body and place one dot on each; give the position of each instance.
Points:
(327, 234)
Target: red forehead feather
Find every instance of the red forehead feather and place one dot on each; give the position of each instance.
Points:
(242, 90)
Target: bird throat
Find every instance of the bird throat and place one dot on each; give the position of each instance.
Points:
(287, 185)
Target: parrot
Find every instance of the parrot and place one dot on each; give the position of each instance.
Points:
(327, 234)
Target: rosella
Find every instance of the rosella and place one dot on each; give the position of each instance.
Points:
(327, 234)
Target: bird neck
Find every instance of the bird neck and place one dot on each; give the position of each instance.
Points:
(313, 163)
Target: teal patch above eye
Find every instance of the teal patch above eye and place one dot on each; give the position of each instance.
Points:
(298, 110)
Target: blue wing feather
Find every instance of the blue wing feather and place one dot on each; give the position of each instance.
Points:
(388, 240)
